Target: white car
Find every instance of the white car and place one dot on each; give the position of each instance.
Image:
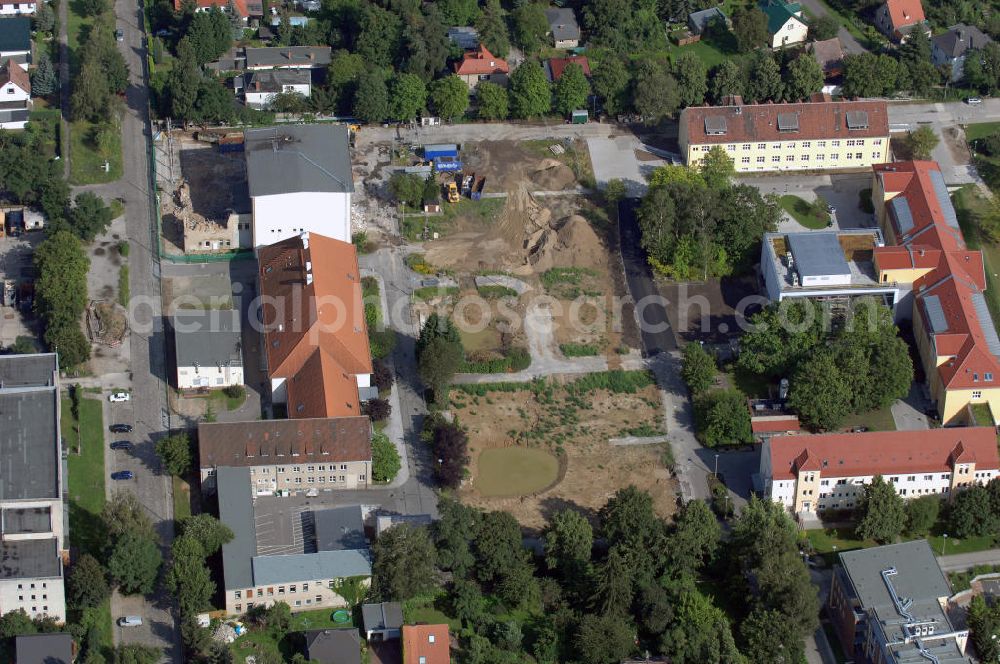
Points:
(973, 100)
(119, 397)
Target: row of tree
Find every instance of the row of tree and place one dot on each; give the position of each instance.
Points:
(102, 74)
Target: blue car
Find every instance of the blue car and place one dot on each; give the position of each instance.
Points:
(123, 475)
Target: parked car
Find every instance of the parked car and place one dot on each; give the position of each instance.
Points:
(118, 397)
(121, 445)
(121, 428)
(123, 475)
(973, 100)
(130, 621)
(119, 35)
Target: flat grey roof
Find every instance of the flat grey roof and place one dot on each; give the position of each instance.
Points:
(935, 314)
(298, 158)
(284, 56)
(336, 646)
(30, 559)
(386, 615)
(236, 511)
(207, 338)
(44, 649)
(817, 254)
(944, 200)
(26, 520)
(15, 34)
(311, 566)
(29, 436)
(901, 211)
(340, 528)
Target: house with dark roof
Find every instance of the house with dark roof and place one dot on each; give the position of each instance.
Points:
(464, 36)
(480, 65)
(383, 620)
(815, 135)
(261, 86)
(554, 67)
(896, 19)
(333, 646)
(814, 473)
(284, 549)
(293, 455)
(563, 27)
(15, 40)
(315, 334)
(245, 9)
(786, 25)
(700, 21)
(829, 55)
(950, 48)
(300, 181)
(44, 649)
(892, 602)
(208, 348)
(15, 96)
(263, 58)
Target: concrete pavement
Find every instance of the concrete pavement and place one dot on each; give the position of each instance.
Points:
(961, 561)
(851, 45)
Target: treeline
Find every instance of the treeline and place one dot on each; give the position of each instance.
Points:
(101, 74)
(633, 584)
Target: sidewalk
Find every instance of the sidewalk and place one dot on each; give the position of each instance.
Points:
(961, 561)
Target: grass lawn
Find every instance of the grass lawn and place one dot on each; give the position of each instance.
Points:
(753, 385)
(86, 164)
(428, 610)
(803, 213)
(46, 123)
(969, 204)
(223, 400)
(707, 51)
(514, 471)
(981, 130)
(86, 473)
(823, 540)
(981, 412)
(182, 498)
(485, 211)
(258, 641)
(876, 420)
(430, 292)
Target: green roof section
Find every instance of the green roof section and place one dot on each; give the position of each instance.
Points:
(778, 13)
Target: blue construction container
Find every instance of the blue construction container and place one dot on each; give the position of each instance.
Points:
(447, 164)
(440, 150)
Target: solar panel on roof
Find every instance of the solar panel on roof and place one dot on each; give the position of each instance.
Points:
(857, 119)
(715, 125)
(935, 314)
(788, 121)
(941, 191)
(901, 211)
(986, 324)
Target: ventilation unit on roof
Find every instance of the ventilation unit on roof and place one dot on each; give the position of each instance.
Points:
(857, 119)
(715, 125)
(788, 121)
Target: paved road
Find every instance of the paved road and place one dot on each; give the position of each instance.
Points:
(486, 131)
(851, 45)
(960, 561)
(64, 86)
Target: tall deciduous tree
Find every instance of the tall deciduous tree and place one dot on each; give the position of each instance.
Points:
(763, 78)
(971, 513)
(175, 453)
(804, 77)
(530, 92)
(603, 639)
(371, 101)
(404, 562)
(87, 584)
(449, 97)
(207, 531)
(188, 578)
(921, 514)
(819, 393)
(385, 458)
(698, 371)
(492, 101)
(530, 27)
(407, 96)
(655, 94)
(690, 73)
(568, 541)
(134, 563)
(727, 79)
(571, 90)
(883, 515)
(502, 562)
(492, 28)
(749, 28)
(721, 418)
(611, 81)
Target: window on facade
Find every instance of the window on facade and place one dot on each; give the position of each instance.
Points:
(298, 480)
(746, 146)
(343, 479)
(319, 598)
(775, 159)
(761, 146)
(298, 602)
(806, 144)
(238, 594)
(927, 478)
(310, 469)
(894, 479)
(322, 478)
(291, 589)
(745, 160)
(705, 148)
(312, 480)
(760, 160)
(911, 478)
(305, 587)
(821, 144)
(296, 469)
(281, 590)
(834, 156)
(977, 394)
(260, 592)
(790, 157)
(343, 466)
(790, 146)
(850, 155)
(805, 157)
(858, 155)
(878, 141)
(835, 144)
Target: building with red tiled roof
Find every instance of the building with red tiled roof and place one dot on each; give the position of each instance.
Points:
(958, 343)
(897, 18)
(244, 8)
(480, 65)
(815, 135)
(426, 644)
(555, 67)
(829, 472)
(315, 333)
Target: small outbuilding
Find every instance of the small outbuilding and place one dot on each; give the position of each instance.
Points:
(382, 621)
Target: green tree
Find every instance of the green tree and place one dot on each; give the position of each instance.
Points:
(614, 584)
(571, 90)
(44, 20)
(921, 514)
(727, 79)
(407, 96)
(611, 83)
(87, 583)
(43, 79)
(209, 34)
(380, 38)
(716, 168)
(701, 633)
(629, 518)
(603, 639)
(915, 58)
(175, 453)
(492, 101)
(819, 393)
(407, 188)
(690, 73)
(502, 562)
(883, 515)
(492, 28)
(568, 541)
(136, 654)
(749, 28)
(385, 458)
(207, 531)
(91, 96)
(767, 635)
(454, 533)
(763, 78)
(16, 623)
(971, 513)
(403, 562)
(530, 27)
(181, 88)
(721, 418)
(698, 371)
(823, 28)
(467, 602)
(804, 78)
(61, 295)
(371, 101)
(342, 76)
(694, 539)
(459, 12)
(982, 68)
(89, 217)
(921, 142)
(134, 563)
(449, 97)
(530, 93)
(187, 577)
(124, 514)
(984, 623)
(94, 7)
(654, 94)
(439, 353)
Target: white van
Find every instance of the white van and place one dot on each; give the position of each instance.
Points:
(130, 621)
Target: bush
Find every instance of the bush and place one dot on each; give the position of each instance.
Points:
(579, 350)
(496, 292)
(385, 458)
(381, 376)
(235, 391)
(418, 264)
(721, 418)
(123, 249)
(382, 342)
(377, 409)
(865, 200)
(451, 447)
(514, 359)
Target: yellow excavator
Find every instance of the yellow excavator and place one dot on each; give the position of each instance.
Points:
(452, 192)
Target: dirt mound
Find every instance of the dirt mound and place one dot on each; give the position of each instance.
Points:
(572, 243)
(552, 175)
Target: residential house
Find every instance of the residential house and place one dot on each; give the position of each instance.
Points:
(699, 22)
(260, 86)
(15, 96)
(15, 40)
(481, 65)
(17, 8)
(554, 67)
(240, 58)
(786, 25)
(333, 646)
(290, 455)
(208, 347)
(245, 9)
(563, 27)
(818, 135)
(464, 37)
(315, 334)
(888, 604)
(897, 18)
(32, 514)
(829, 54)
(300, 181)
(950, 48)
(809, 474)
(55, 648)
(944, 280)
(426, 644)
(383, 620)
(284, 562)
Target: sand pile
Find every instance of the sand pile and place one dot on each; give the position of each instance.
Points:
(552, 175)
(570, 243)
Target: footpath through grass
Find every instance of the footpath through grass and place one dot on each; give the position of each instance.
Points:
(86, 164)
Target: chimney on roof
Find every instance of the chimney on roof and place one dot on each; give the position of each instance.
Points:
(311, 55)
(288, 54)
(256, 85)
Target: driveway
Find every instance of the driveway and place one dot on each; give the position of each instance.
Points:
(851, 45)
(615, 158)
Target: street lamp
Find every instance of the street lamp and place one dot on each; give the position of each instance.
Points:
(943, 542)
(716, 473)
